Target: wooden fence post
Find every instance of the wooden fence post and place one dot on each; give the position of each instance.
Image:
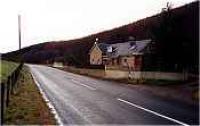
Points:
(12, 83)
(2, 102)
(8, 91)
(22, 75)
(14, 73)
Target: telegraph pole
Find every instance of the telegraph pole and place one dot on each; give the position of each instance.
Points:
(19, 30)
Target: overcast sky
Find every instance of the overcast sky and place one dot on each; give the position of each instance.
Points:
(49, 20)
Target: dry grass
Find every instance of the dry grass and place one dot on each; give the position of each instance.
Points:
(27, 105)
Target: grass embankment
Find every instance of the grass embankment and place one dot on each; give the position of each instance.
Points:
(27, 105)
(6, 68)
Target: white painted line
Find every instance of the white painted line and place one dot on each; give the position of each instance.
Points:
(153, 112)
(51, 107)
(79, 83)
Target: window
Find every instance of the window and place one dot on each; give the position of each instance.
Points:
(92, 60)
(112, 61)
(118, 61)
(125, 60)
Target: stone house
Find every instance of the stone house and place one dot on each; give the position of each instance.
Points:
(127, 55)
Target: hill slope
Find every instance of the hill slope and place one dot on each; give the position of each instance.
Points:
(76, 51)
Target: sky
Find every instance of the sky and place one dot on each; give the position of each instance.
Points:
(54, 20)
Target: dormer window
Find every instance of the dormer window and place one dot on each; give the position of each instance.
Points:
(133, 47)
(109, 49)
(114, 49)
(132, 43)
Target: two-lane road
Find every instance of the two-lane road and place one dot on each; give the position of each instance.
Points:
(84, 100)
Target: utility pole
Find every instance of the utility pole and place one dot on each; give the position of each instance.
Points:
(19, 30)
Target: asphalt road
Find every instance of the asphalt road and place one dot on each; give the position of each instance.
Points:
(84, 100)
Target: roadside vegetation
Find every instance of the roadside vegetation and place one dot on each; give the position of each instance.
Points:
(6, 68)
(27, 105)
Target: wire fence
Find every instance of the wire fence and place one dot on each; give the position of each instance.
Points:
(7, 88)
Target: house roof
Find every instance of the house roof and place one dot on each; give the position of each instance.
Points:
(124, 49)
(103, 47)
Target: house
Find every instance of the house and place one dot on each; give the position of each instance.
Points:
(120, 55)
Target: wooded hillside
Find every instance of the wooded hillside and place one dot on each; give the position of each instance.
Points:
(75, 52)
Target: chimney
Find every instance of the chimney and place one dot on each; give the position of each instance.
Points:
(96, 41)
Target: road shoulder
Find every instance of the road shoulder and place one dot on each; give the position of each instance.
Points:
(27, 105)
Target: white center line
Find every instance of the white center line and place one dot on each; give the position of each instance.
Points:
(79, 83)
(153, 112)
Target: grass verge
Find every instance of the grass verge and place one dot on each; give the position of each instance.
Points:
(27, 105)
(6, 68)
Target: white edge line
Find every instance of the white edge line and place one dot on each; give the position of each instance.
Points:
(77, 82)
(153, 112)
(51, 107)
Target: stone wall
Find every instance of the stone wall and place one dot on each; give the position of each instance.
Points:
(124, 74)
(119, 74)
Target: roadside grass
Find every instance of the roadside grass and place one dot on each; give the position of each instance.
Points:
(161, 82)
(27, 105)
(6, 68)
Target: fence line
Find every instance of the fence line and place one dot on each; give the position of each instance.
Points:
(7, 88)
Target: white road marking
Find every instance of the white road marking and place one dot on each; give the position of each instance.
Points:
(51, 107)
(79, 83)
(152, 112)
